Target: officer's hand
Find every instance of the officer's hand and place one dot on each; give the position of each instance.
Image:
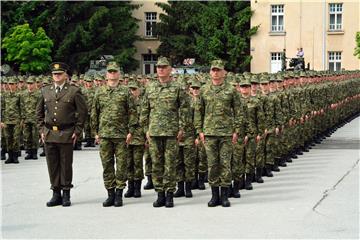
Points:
(74, 138)
(128, 138)
(180, 135)
(42, 137)
(235, 138)
(202, 137)
(97, 139)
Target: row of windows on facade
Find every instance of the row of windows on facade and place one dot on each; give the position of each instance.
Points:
(335, 17)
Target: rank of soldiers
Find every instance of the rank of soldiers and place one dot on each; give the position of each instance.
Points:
(180, 131)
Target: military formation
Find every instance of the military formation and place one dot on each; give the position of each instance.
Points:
(180, 131)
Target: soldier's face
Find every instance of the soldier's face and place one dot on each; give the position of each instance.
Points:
(195, 91)
(245, 90)
(12, 87)
(217, 74)
(112, 75)
(59, 78)
(31, 86)
(135, 92)
(163, 71)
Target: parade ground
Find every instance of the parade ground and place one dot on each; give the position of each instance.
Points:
(315, 196)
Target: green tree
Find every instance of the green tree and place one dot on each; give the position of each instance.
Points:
(207, 30)
(30, 51)
(357, 48)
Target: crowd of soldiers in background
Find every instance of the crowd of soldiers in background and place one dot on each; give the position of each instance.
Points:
(283, 115)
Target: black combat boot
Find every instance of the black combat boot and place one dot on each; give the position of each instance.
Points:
(242, 182)
(206, 177)
(298, 151)
(130, 192)
(56, 199)
(111, 197)
(18, 153)
(195, 182)
(224, 197)
(188, 192)
(28, 155)
(10, 157)
(180, 190)
(169, 202)
(118, 201)
(201, 183)
(15, 157)
(282, 161)
(3, 154)
(235, 190)
(275, 166)
(88, 143)
(267, 170)
(137, 188)
(293, 155)
(42, 154)
(160, 201)
(230, 192)
(34, 154)
(215, 198)
(248, 180)
(149, 184)
(258, 175)
(66, 198)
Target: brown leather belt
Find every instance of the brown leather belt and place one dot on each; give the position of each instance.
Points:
(59, 127)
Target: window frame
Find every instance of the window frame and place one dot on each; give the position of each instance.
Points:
(336, 10)
(334, 58)
(152, 20)
(277, 13)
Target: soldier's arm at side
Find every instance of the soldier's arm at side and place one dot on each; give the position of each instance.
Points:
(82, 110)
(145, 112)
(40, 114)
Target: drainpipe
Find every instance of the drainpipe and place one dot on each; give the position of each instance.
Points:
(324, 36)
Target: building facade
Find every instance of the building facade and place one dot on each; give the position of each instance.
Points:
(325, 30)
(148, 15)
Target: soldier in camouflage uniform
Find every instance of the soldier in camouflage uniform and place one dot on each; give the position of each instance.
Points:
(216, 123)
(29, 101)
(89, 92)
(11, 120)
(162, 115)
(113, 118)
(136, 149)
(4, 92)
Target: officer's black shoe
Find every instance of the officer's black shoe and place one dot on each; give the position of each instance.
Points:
(215, 198)
(34, 154)
(56, 199)
(111, 197)
(137, 188)
(130, 192)
(118, 202)
(188, 192)
(160, 201)
(224, 197)
(42, 154)
(258, 175)
(149, 184)
(66, 198)
(242, 182)
(169, 202)
(180, 190)
(267, 170)
(235, 190)
(10, 157)
(3, 154)
(77, 146)
(28, 155)
(201, 183)
(248, 180)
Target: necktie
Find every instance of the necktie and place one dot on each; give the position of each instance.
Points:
(57, 90)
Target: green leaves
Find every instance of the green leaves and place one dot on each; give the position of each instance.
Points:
(28, 50)
(357, 48)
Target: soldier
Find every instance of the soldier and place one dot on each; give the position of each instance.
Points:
(4, 92)
(217, 124)
(113, 119)
(29, 101)
(11, 120)
(162, 116)
(136, 148)
(61, 114)
(89, 93)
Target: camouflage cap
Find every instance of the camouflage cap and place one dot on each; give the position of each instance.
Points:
(254, 79)
(59, 67)
(31, 79)
(195, 84)
(113, 66)
(163, 61)
(133, 84)
(245, 82)
(88, 78)
(82, 76)
(12, 80)
(47, 79)
(219, 64)
(279, 78)
(74, 78)
(272, 77)
(264, 79)
(3, 79)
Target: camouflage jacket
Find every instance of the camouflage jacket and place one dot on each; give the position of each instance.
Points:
(163, 109)
(216, 111)
(138, 136)
(12, 108)
(29, 101)
(113, 113)
(256, 117)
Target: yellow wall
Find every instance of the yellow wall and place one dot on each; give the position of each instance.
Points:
(304, 27)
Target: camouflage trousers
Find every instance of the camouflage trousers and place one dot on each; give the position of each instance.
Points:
(114, 151)
(12, 137)
(219, 154)
(185, 165)
(260, 154)
(270, 148)
(31, 136)
(148, 162)
(238, 161)
(135, 162)
(250, 159)
(164, 151)
(87, 129)
(3, 140)
(200, 159)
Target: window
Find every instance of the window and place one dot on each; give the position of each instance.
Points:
(149, 62)
(275, 62)
(334, 61)
(277, 18)
(335, 11)
(150, 24)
